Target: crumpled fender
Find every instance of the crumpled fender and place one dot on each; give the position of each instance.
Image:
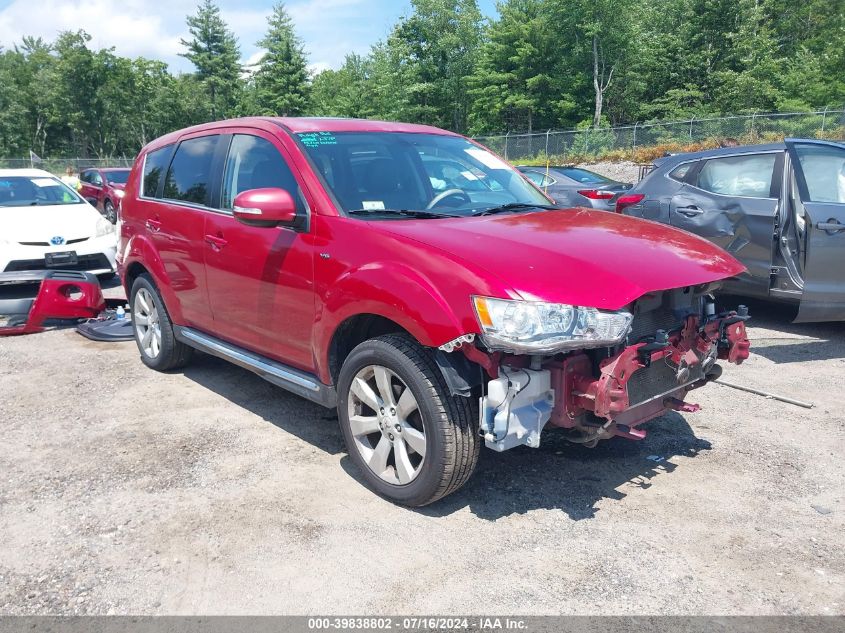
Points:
(394, 291)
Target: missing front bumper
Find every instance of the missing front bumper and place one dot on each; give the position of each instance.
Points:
(639, 383)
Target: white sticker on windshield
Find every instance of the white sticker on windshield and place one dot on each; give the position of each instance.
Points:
(486, 158)
(373, 204)
(469, 175)
(45, 182)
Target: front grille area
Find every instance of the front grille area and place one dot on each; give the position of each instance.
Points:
(645, 324)
(657, 379)
(76, 241)
(85, 262)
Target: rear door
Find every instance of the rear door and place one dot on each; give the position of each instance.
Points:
(733, 202)
(819, 168)
(175, 220)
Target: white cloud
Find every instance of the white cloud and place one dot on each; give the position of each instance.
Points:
(330, 28)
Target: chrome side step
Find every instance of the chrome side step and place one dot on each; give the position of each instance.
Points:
(293, 380)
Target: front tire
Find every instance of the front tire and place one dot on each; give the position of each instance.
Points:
(411, 439)
(153, 328)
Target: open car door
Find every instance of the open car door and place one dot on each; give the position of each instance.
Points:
(819, 168)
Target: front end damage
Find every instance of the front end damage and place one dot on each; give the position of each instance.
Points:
(671, 348)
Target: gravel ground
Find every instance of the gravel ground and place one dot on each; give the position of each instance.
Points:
(209, 491)
(624, 171)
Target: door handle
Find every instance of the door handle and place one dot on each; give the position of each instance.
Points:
(216, 242)
(831, 226)
(690, 212)
(153, 225)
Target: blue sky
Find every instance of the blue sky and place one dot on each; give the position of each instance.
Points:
(150, 28)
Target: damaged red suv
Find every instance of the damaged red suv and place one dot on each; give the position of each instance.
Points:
(421, 285)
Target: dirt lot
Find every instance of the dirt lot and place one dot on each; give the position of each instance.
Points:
(210, 491)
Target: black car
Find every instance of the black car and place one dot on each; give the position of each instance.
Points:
(576, 187)
(779, 209)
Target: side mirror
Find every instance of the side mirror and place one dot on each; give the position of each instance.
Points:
(264, 207)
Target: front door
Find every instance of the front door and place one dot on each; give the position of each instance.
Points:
(819, 168)
(91, 186)
(260, 279)
(733, 202)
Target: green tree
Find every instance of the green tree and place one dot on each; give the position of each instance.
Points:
(214, 51)
(347, 91)
(282, 80)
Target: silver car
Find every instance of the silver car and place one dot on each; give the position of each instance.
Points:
(577, 187)
(779, 209)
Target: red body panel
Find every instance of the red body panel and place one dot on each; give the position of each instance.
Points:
(60, 297)
(284, 293)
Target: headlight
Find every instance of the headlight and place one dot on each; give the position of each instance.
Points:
(104, 227)
(539, 327)
(119, 193)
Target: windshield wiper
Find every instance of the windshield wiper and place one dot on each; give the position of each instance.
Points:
(410, 213)
(514, 206)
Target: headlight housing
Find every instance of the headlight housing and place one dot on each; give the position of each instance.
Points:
(104, 227)
(539, 327)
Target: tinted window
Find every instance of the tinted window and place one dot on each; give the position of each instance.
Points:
(749, 176)
(154, 165)
(582, 175)
(680, 172)
(85, 176)
(255, 163)
(189, 176)
(96, 179)
(824, 171)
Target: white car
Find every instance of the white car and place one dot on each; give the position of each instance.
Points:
(46, 224)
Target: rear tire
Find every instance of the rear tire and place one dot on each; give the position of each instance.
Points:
(390, 388)
(153, 328)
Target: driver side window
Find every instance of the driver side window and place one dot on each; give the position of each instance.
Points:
(255, 163)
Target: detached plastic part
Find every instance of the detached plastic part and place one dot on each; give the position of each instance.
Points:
(107, 330)
(62, 294)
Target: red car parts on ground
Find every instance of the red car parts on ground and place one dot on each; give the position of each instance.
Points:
(29, 300)
(324, 255)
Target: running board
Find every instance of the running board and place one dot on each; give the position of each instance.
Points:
(293, 380)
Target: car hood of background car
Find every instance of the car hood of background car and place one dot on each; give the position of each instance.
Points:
(576, 256)
(43, 222)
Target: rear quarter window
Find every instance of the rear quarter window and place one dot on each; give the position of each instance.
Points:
(155, 164)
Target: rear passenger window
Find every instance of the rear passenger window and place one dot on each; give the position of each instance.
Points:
(154, 165)
(749, 176)
(189, 176)
(255, 163)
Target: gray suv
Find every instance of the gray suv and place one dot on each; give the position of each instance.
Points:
(779, 209)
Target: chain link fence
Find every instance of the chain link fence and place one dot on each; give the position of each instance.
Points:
(597, 142)
(59, 165)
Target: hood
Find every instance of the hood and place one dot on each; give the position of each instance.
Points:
(576, 256)
(42, 223)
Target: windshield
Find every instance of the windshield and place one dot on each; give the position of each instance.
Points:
(25, 191)
(582, 175)
(118, 176)
(376, 171)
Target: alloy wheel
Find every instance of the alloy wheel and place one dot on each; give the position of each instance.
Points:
(146, 321)
(386, 424)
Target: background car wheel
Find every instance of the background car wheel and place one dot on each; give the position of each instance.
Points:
(110, 212)
(412, 440)
(153, 329)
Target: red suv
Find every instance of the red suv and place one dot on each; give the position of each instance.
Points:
(334, 258)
